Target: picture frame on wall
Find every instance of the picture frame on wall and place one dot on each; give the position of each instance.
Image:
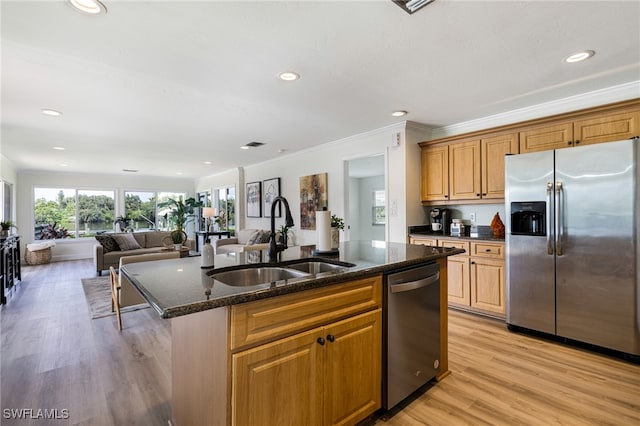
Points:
(254, 202)
(314, 196)
(270, 190)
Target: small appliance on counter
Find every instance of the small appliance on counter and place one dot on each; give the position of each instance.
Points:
(441, 220)
(457, 228)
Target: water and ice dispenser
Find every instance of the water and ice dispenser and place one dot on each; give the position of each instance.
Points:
(528, 218)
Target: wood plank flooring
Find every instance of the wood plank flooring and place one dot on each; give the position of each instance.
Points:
(53, 356)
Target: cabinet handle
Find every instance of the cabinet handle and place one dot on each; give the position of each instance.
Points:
(569, 143)
(473, 263)
(320, 340)
(484, 195)
(446, 196)
(331, 338)
(477, 195)
(577, 142)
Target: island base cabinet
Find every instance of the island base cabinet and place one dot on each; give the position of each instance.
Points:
(329, 375)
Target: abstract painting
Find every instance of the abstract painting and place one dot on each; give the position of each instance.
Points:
(313, 196)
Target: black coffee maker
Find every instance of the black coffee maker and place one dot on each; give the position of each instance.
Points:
(442, 216)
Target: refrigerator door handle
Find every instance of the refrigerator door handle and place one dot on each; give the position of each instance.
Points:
(559, 216)
(548, 213)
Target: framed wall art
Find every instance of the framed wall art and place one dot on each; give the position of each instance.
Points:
(313, 196)
(270, 190)
(254, 203)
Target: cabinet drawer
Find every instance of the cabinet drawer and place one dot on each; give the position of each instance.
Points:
(493, 250)
(424, 241)
(456, 244)
(269, 319)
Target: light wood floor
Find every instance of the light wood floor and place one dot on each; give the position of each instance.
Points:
(53, 356)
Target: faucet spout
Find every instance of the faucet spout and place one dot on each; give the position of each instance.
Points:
(275, 248)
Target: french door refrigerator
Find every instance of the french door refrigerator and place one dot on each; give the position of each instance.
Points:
(572, 244)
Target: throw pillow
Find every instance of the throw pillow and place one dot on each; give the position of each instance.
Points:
(108, 243)
(255, 238)
(264, 237)
(126, 242)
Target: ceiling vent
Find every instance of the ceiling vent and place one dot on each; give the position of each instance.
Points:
(254, 144)
(411, 6)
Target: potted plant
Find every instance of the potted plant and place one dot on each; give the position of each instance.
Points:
(123, 221)
(6, 226)
(337, 224)
(182, 211)
(284, 231)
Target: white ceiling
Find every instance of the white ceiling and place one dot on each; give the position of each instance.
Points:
(162, 86)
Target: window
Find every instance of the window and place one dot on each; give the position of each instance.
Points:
(379, 213)
(141, 208)
(72, 213)
(224, 200)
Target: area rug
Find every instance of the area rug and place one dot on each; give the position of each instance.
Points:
(97, 290)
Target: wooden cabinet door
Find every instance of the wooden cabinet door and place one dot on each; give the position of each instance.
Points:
(435, 173)
(545, 138)
(279, 383)
(352, 386)
(493, 151)
(464, 171)
(458, 280)
(488, 285)
(607, 129)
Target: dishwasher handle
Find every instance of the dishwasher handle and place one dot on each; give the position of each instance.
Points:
(414, 285)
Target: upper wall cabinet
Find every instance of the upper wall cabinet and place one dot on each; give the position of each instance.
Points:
(600, 129)
(470, 168)
(466, 170)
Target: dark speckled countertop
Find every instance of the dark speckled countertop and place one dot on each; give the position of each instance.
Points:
(176, 287)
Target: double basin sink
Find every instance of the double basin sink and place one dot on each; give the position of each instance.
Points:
(251, 276)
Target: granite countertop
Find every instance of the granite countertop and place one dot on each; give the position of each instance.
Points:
(176, 287)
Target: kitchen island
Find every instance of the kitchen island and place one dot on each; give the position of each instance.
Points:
(305, 350)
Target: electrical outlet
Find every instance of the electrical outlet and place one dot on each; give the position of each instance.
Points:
(473, 217)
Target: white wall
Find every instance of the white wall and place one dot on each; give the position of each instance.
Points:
(69, 249)
(330, 158)
(368, 231)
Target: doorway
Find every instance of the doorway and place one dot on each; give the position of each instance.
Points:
(365, 202)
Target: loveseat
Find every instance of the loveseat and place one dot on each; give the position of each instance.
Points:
(111, 247)
(245, 240)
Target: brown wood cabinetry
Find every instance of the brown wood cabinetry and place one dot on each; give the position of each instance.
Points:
(476, 278)
(466, 170)
(469, 168)
(312, 357)
(325, 376)
(435, 173)
(596, 129)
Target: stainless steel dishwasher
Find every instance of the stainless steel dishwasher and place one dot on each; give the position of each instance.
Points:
(411, 339)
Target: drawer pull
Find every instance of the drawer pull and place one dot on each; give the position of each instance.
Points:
(488, 250)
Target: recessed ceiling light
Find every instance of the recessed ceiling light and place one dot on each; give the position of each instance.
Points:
(579, 56)
(51, 112)
(245, 147)
(63, 165)
(130, 170)
(179, 173)
(399, 113)
(91, 7)
(58, 148)
(207, 162)
(288, 76)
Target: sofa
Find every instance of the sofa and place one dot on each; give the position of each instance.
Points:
(244, 240)
(111, 247)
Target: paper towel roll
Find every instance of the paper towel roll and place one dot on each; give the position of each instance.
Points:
(323, 228)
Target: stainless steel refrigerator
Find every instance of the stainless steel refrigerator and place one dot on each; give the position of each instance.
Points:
(572, 243)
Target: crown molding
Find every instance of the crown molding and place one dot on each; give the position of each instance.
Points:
(621, 92)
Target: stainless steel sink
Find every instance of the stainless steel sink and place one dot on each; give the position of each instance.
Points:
(317, 267)
(255, 276)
